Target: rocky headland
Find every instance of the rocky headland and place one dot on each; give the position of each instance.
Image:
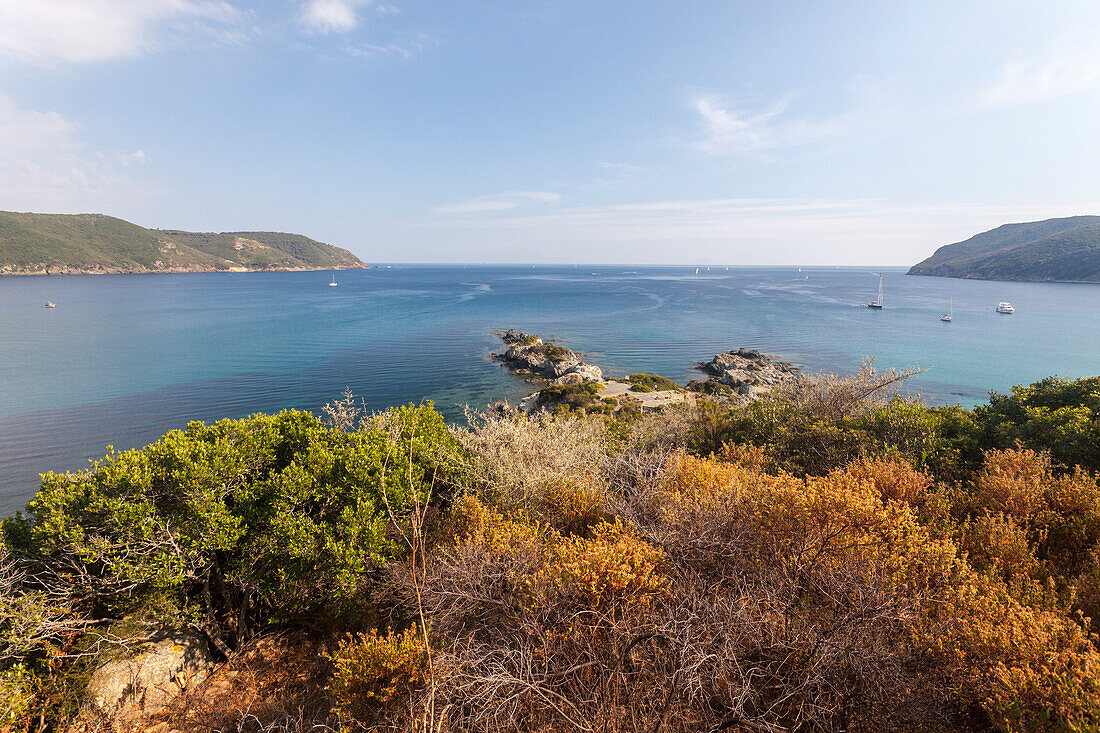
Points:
(749, 372)
(526, 353)
(737, 375)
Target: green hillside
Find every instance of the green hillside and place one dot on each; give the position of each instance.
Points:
(1064, 250)
(75, 243)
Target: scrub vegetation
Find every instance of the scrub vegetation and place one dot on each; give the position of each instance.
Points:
(830, 556)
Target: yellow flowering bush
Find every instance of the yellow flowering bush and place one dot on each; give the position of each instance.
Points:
(377, 676)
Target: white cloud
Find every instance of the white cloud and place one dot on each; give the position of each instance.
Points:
(501, 202)
(331, 16)
(1066, 69)
(47, 32)
(45, 165)
(730, 130)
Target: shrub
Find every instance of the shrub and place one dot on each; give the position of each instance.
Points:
(1056, 415)
(377, 677)
(575, 396)
(613, 564)
(270, 518)
(521, 464)
(894, 480)
(642, 382)
(18, 692)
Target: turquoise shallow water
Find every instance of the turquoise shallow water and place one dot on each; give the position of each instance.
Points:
(122, 359)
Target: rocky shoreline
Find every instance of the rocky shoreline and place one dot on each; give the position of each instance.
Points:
(749, 372)
(738, 375)
(529, 354)
(51, 270)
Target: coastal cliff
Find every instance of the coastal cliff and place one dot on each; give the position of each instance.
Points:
(94, 244)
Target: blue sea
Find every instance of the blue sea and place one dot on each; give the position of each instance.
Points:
(123, 359)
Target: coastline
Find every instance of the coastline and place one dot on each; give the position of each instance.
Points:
(51, 271)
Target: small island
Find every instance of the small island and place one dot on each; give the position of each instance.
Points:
(1054, 250)
(95, 244)
(568, 383)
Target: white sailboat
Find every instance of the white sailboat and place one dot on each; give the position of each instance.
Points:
(877, 302)
(333, 283)
(946, 317)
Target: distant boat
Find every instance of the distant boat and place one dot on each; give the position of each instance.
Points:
(1005, 307)
(333, 283)
(946, 317)
(51, 304)
(696, 270)
(877, 302)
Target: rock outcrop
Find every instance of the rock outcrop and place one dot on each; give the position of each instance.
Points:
(748, 371)
(149, 680)
(529, 354)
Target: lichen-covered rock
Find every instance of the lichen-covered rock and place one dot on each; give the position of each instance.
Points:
(748, 371)
(152, 678)
(527, 353)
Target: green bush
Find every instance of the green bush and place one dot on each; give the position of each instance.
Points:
(652, 383)
(1056, 415)
(17, 698)
(246, 522)
(581, 396)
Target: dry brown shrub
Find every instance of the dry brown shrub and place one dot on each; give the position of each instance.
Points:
(273, 683)
(833, 396)
(520, 463)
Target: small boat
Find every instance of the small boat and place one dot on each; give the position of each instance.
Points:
(877, 302)
(333, 283)
(1005, 307)
(696, 270)
(51, 304)
(946, 317)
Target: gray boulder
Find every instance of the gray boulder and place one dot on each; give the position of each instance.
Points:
(152, 678)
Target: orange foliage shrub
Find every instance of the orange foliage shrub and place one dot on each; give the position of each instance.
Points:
(613, 564)
(746, 455)
(377, 677)
(895, 480)
(1030, 669)
(996, 543)
(1012, 482)
(573, 507)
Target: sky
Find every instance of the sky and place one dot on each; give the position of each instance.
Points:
(718, 133)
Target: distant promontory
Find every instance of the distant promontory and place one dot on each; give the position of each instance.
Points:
(1054, 250)
(71, 244)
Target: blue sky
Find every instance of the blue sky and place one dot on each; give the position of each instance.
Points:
(674, 132)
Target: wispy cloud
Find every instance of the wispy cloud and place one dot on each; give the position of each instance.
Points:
(45, 164)
(332, 16)
(501, 202)
(405, 46)
(1066, 69)
(49, 32)
(730, 129)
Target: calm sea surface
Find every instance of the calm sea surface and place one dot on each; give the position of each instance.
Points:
(123, 359)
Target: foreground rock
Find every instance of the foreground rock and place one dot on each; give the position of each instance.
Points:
(161, 670)
(528, 354)
(749, 372)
